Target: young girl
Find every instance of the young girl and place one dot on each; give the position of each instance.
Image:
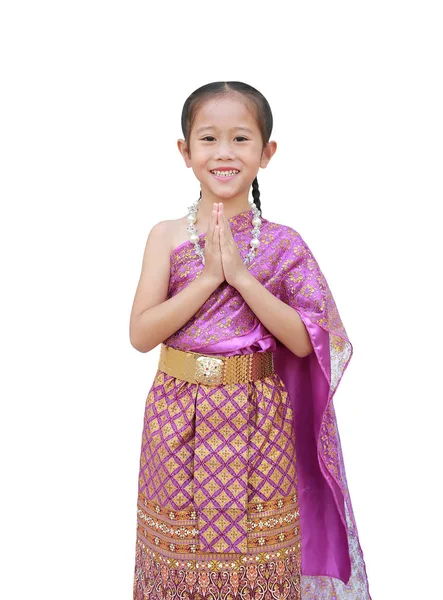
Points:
(242, 488)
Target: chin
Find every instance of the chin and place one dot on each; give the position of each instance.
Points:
(223, 193)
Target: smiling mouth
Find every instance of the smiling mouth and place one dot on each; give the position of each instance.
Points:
(225, 174)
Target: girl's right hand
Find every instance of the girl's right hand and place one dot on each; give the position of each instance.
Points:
(213, 267)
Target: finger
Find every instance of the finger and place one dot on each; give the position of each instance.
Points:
(213, 223)
(222, 216)
(226, 225)
(226, 229)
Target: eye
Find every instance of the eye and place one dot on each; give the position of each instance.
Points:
(210, 137)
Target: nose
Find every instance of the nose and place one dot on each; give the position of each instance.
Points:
(224, 150)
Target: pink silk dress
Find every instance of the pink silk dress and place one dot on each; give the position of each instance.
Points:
(262, 511)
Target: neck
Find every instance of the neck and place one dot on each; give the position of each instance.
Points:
(231, 206)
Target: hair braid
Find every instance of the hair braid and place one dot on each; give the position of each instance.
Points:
(256, 194)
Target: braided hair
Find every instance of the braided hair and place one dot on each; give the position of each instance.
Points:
(261, 107)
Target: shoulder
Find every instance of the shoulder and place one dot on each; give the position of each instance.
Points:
(178, 231)
(158, 234)
(161, 228)
(166, 232)
(283, 239)
(283, 232)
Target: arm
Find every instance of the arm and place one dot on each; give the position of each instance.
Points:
(153, 318)
(278, 317)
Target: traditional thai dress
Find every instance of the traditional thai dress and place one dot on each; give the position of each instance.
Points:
(242, 486)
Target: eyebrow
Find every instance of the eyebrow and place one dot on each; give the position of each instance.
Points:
(204, 127)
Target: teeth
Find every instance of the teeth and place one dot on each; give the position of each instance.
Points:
(225, 173)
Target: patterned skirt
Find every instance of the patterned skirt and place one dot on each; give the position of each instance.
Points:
(218, 514)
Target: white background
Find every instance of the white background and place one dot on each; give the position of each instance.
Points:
(91, 101)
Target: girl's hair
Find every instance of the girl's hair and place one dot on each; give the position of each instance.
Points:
(256, 100)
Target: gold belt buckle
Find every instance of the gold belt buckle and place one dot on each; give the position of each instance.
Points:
(209, 370)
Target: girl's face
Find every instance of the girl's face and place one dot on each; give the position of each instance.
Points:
(225, 135)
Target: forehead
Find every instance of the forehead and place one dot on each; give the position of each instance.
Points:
(227, 112)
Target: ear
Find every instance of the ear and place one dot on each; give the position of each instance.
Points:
(183, 149)
(268, 153)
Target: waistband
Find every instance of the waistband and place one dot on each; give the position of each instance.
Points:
(215, 369)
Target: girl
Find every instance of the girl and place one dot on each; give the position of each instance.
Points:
(242, 489)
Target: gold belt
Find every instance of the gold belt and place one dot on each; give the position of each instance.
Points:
(215, 369)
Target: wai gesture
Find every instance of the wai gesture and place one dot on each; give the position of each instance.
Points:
(221, 254)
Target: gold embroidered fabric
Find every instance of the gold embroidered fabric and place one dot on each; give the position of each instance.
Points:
(218, 512)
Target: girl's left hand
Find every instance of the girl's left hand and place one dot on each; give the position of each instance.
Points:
(233, 265)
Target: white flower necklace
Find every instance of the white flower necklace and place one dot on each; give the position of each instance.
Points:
(194, 237)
